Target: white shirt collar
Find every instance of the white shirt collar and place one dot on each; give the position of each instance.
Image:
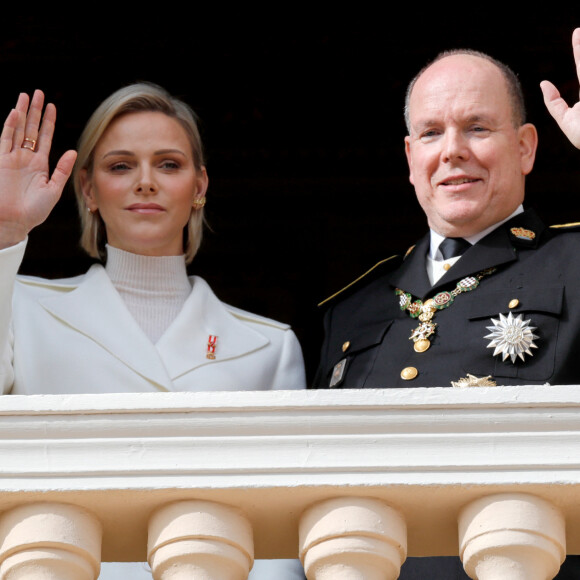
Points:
(436, 238)
(436, 266)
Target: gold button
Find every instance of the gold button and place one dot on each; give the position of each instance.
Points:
(346, 346)
(513, 303)
(422, 345)
(409, 373)
(446, 266)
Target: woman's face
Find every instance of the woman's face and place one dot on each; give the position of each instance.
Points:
(144, 183)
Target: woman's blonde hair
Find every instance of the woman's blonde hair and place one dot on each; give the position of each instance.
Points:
(134, 98)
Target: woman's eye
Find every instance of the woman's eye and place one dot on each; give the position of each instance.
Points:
(168, 164)
(119, 166)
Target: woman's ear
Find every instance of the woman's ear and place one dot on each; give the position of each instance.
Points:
(87, 190)
(202, 183)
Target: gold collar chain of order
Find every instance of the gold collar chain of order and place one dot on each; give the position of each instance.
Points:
(425, 311)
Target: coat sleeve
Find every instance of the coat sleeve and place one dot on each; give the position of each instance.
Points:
(10, 260)
(290, 373)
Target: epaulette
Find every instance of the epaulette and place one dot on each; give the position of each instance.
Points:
(572, 226)
(368, 274)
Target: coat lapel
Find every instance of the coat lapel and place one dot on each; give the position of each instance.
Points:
(183, 347)
(411, 276)
(95, 309)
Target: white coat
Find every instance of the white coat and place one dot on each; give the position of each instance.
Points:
(75, 335)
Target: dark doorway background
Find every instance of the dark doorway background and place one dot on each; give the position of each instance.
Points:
(302, 123)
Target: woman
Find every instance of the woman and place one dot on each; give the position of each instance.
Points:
(141, 184)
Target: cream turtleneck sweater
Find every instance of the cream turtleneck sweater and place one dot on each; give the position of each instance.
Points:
(153, 288)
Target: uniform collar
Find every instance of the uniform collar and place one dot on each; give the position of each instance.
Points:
(436, 238)
(496, 248)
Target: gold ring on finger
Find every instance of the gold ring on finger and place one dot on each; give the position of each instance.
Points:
(29, 143)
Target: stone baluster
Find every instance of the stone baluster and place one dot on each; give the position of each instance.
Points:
(200, 539)
(49, 541)
(350, 538)
(511, 536)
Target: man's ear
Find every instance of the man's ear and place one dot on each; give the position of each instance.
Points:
(408, 154)
(528, 140)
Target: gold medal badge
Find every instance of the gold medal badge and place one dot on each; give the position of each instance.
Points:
(523, 234)
(424, 311)
(473, 381)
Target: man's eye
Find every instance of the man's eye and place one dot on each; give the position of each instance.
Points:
(429, 134)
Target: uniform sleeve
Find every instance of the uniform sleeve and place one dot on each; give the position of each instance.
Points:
(320, 377)
(10, 260)
(290, 373)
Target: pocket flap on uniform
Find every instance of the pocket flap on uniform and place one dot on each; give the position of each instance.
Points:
(548, 299)
(360, 338)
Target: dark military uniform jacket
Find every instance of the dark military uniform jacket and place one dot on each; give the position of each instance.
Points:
(532, 292)
(536, 275)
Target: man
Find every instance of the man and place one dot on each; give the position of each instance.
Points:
(502, 310)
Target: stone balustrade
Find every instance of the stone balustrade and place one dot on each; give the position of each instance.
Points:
(352, 482)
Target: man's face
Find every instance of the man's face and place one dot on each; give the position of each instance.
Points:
(466, 158)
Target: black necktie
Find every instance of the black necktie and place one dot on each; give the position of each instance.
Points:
(452, 247)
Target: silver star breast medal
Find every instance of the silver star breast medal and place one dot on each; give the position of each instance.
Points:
(512, 337)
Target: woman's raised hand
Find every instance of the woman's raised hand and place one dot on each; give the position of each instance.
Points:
(28, 192)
